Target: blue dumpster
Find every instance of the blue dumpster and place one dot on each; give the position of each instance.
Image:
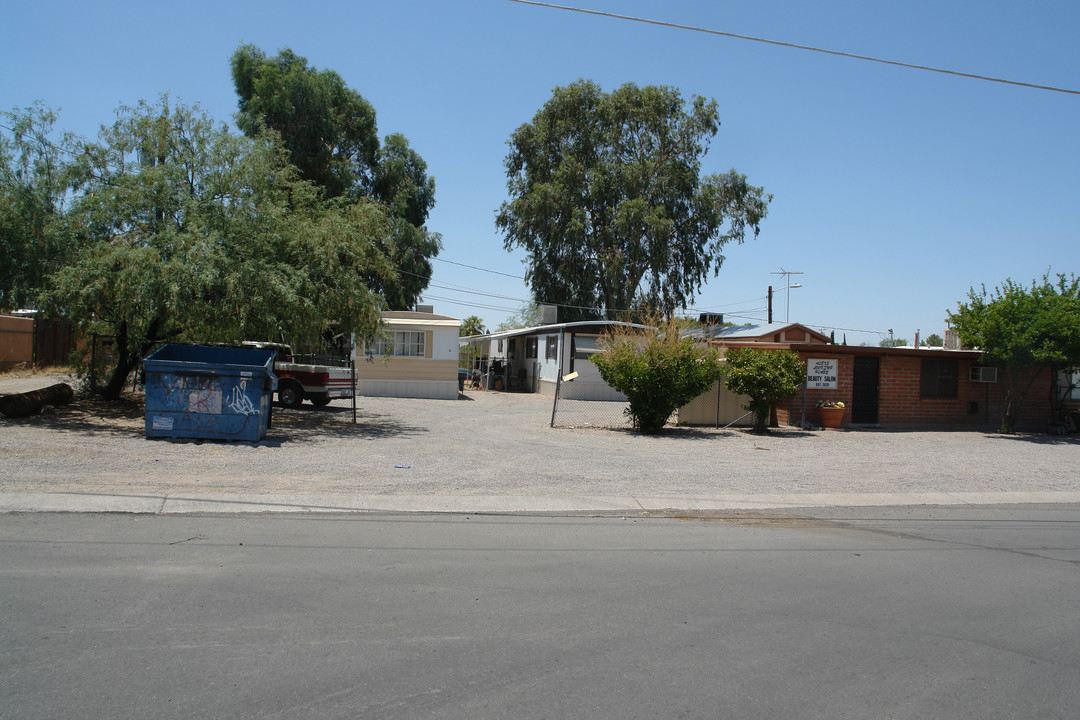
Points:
(209, 393)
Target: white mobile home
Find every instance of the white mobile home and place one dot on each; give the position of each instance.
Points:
(415, 356)
(533, 359)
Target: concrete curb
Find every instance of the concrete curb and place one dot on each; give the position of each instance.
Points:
(187, 503)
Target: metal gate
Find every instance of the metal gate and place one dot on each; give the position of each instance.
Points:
(864, 391)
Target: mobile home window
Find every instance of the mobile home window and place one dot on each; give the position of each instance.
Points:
(938, 377)
(403, 344)
(531, 348)
(584, 347)
(409, 344)
(551, 351)
(381, 345)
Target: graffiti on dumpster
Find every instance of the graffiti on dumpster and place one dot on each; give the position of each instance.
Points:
(191, 393)
(201, 404)
(239, 402)
(200, 394)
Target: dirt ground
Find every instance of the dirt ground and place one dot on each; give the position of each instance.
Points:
(488, 443)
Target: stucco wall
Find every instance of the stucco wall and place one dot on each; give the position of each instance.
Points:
(16, 341)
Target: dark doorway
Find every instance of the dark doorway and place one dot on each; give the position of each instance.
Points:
(864, 392)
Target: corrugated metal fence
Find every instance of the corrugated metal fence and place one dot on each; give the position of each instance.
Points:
(596, 404)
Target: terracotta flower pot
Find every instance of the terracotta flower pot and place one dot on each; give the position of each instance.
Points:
(831, 417)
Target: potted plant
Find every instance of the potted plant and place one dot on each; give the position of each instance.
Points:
(832, 413)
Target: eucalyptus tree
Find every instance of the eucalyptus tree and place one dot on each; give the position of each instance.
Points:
(35, 177)
(331, 135)
(608, 199)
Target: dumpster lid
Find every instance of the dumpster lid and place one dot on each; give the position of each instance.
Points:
(212, 355)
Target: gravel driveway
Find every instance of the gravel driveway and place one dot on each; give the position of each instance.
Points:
(500, 444)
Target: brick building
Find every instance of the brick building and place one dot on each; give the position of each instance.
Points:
(913, 387)
(893, 387)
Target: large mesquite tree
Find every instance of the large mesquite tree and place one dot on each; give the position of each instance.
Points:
(608, 199)
(188, 232)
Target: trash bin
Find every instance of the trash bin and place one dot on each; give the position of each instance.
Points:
(209, 393)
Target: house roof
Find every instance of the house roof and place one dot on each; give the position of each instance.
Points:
(754, 331)
(408, 317)
(902, 350)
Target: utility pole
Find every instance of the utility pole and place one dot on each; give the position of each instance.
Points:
(770, 304)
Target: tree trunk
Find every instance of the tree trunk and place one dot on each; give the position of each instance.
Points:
(127, 360)
(31, 403)
(1012, 399)
(125, 363)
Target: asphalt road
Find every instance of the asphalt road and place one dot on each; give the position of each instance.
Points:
(958, 612)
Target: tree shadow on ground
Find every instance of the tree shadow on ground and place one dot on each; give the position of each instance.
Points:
(1035, 439)
(303, 425)
(125, 417)
(681, 433)
(122, 417)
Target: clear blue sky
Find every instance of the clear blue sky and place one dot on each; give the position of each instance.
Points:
(895, 190)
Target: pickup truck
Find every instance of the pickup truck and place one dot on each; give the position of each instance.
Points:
(319, 381)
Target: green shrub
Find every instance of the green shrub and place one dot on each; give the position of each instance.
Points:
(765, 376)
(657, 369)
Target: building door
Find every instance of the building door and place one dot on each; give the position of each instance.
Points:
(864, 392)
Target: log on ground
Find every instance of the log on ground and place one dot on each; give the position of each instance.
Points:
(31, 403)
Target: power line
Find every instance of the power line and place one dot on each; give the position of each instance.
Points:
(796, 46)
(479, 306)
(473, 267)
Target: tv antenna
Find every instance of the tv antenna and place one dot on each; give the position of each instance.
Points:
(786, 274)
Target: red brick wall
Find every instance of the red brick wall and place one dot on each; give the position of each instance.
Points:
(901, 404)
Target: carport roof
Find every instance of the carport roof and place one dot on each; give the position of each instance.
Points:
(583, 326)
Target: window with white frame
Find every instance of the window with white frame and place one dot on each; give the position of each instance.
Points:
(402, 344)
(381, 345)
(409, 344)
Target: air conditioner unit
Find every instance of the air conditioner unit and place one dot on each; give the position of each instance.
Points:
(982, 374)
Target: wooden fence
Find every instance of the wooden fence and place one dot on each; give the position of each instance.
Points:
(27, 341)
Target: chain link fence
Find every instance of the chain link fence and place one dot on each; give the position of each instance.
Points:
(102, 361)
(585, 404)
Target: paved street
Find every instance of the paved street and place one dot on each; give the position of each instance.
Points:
(959, 612)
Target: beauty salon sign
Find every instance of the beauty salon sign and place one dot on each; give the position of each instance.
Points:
(821, 373)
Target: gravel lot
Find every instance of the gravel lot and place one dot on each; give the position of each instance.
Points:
(493, 444)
